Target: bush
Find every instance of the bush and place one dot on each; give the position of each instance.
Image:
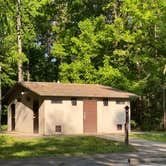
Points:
(133, 124)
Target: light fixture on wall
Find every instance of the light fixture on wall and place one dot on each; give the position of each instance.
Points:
(23, 92)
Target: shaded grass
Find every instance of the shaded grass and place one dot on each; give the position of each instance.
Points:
(3, 128)
(11, 147)
(152, 136)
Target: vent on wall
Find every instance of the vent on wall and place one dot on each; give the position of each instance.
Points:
(58, 129)
(19, 99)
(120, 102)
(119, 126)
(56, 101)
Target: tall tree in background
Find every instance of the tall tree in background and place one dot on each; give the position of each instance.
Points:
(164, 99)
(0, 98)
(6, 66)
(20, 67)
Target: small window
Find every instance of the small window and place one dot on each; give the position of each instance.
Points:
(56, 101)
(120, 102)
(105, 102)
(58, 128)
(119, 126)
(73, 101)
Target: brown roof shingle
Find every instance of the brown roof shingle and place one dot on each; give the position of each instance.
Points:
(74, 90)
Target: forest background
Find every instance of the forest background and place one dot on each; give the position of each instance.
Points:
(119, 43)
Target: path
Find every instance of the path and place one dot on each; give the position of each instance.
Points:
(147, 151)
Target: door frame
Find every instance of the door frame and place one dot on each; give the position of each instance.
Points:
(36, 116)
(13, 117)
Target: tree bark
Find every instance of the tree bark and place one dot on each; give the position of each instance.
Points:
(164, 108)
(0, 98)
(155, 36)
(164, 90)
(28, 72)
(20, 70)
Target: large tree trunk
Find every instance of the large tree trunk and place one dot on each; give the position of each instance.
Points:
(164, 99)
(164, 108)
(0, 98)
(20, 70)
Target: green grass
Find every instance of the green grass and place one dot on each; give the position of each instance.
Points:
(152, 136)
(3, 128)
(11, 147)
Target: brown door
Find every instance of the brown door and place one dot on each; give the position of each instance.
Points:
(13, 114)
(35, 116)
(90, 116)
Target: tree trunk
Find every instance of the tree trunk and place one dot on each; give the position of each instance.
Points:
(0, 98)
(164, 108)
(155, 36)
(20, 70)
(164, 90)
(28, 72)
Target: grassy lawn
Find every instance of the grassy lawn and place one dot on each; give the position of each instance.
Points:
(3, 128)
(152, 136)
(11, 147)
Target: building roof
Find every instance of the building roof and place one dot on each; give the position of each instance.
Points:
(74, 90)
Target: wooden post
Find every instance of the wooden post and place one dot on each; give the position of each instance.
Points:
(127, 125)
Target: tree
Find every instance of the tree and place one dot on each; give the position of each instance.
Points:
(5, 30)
(20, 72)
(116, 43)
(0, 98)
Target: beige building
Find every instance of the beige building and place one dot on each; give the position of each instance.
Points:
(55, 108)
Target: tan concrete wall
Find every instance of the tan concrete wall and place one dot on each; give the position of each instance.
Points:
(109, 116)
(23, 116)
(70, 117)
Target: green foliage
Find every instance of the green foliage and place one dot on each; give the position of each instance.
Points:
(133, 124)
(116, 43)
(108, 75)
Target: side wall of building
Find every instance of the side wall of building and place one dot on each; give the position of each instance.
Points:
(23, 116)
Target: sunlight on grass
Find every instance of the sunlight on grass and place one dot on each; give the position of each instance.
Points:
(153, 136)
(11, 147)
